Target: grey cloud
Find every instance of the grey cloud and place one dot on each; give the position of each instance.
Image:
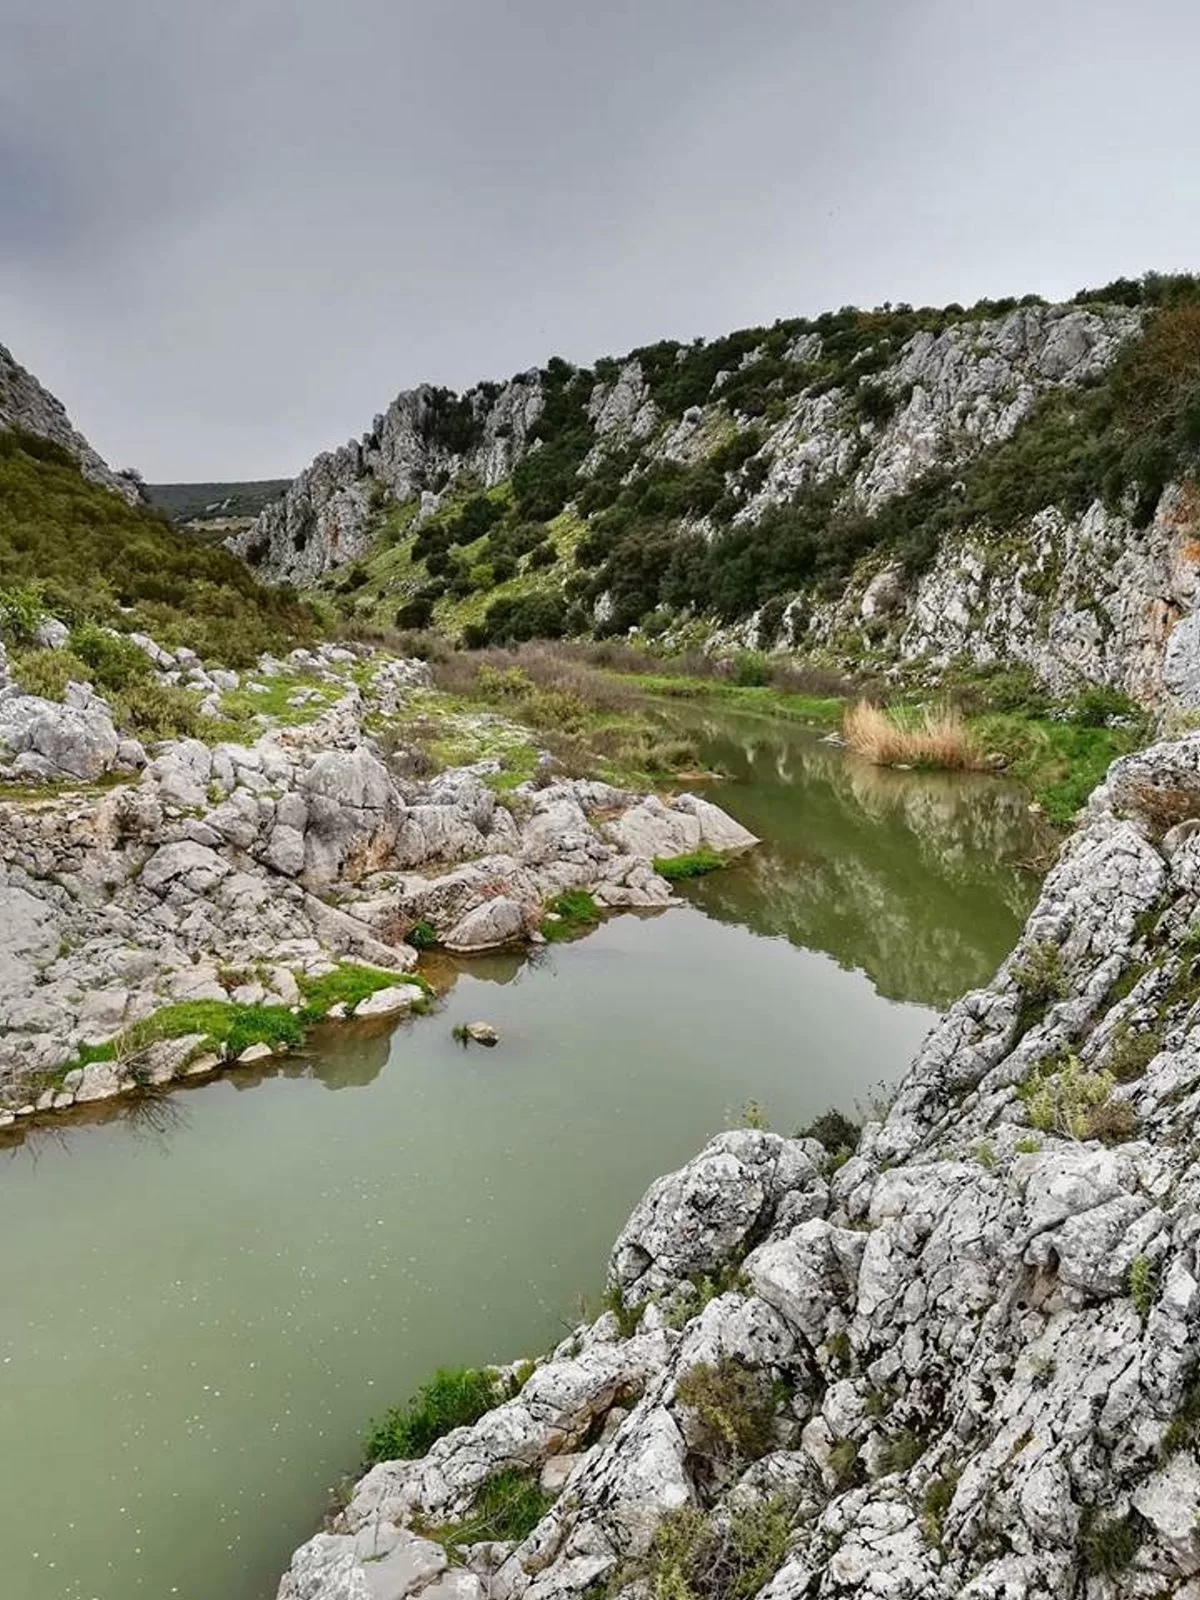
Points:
(232, 231)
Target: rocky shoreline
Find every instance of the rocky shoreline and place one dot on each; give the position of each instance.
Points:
(199, 910)
(959, 1362)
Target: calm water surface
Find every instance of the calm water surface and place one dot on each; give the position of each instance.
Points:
(205, 1300)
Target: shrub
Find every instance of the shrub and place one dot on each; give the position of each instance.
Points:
(734, 1405)
(115, 662)
(1039, 975)
(834, 1130)
(453, 1398)
(1063, 1096)
(750, 670)
(416, 613)
(729, 1555)
(1130, 1053)
(422, 935)
(47, 672)
(153, 710)
(21, 609)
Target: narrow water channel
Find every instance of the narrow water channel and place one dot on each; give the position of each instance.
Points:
(206, 1298)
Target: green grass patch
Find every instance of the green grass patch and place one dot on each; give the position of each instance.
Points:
(348, 984)
(1059, 762)
(224, 1025)
(691, 864)
(570, 913)
(453, 1398)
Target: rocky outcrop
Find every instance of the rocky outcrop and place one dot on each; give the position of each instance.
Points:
(242, 870)
(24, 404)
(329, 515)
(961, 1362)
(958, 390)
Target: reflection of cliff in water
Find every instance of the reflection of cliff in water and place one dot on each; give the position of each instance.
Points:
(916, 878)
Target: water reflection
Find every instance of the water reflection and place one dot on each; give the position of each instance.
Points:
(920, 879)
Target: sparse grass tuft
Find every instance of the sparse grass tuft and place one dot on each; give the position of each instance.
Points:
(935, 1502)
(570, 913)
(1143, 1285)
(508, 1507)
(348, 984)
(1108, 1546)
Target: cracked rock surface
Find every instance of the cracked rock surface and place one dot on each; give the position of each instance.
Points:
(977, 1333)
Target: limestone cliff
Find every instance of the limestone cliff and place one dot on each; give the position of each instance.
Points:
(24, 404)
(1011, 483)
(960, 1364)
(425, 439)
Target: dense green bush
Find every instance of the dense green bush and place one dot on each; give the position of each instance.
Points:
(453, 1398)
(114, 662)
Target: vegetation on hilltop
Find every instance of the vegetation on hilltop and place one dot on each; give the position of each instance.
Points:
(188, 502)
(91, 557)
(642, 539)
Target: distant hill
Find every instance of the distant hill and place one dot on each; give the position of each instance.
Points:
(208, 502)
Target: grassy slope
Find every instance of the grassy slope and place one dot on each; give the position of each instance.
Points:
(96, 557)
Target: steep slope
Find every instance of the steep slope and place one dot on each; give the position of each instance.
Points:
(1005, 483)
(27, 407)
(77, 540)
(959, 1363)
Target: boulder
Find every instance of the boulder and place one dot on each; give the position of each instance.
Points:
(495, 923)
(55, 741)
(385, 1002)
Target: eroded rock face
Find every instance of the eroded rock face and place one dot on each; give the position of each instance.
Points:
(328, 516)
(980, 1330)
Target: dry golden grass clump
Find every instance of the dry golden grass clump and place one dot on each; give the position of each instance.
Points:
(938, 737)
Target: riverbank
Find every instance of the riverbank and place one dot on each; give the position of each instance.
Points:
(232, 893)
(1057, 747)
(961, 1355)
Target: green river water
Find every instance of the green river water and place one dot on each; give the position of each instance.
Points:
(206, 1296)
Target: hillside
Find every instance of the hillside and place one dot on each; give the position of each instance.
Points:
(76, 540)
(26, 405)
(1007, 482)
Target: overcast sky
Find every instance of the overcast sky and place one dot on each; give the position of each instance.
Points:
(234, 229)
